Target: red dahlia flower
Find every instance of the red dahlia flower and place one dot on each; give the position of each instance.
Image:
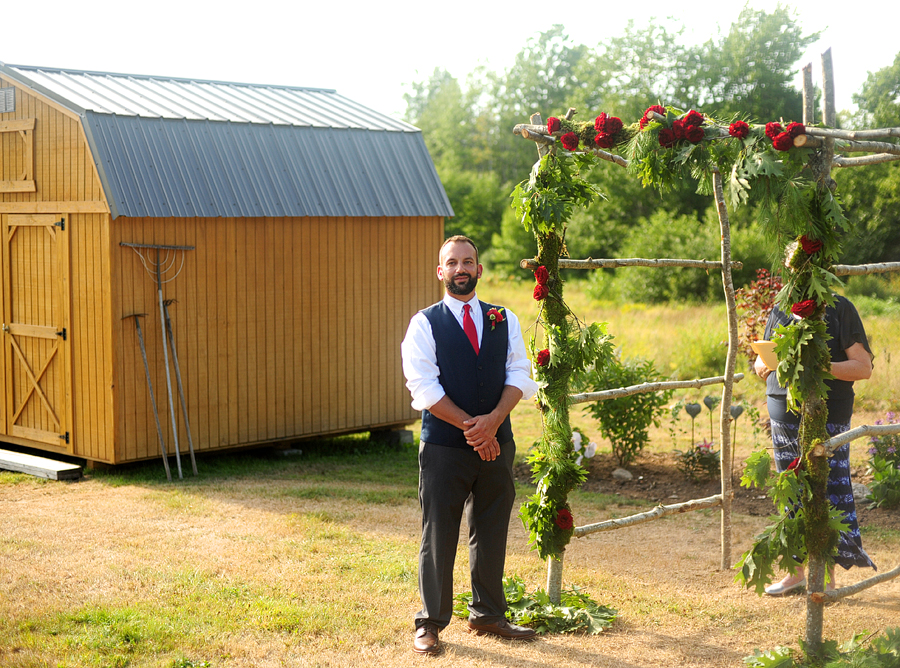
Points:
(810, 246)
(739, 129)
(678, 128)
(541, 275)
(795, 129)
(564, 519)
(783, 142)
(605, 124)
(694, 134)
(569, 141)
(667, 138)
(805, 308)
(693, 118)
(553, 125)
(655, 108)
(540, 291)
(543, 357)
(604, 140)
(773, 130)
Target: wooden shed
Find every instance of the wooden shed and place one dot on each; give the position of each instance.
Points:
(295, 230)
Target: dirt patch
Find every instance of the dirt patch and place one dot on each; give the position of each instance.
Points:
(656, 478)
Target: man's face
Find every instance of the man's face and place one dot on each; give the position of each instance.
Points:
(459, 269)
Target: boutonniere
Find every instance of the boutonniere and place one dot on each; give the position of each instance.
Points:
(495, 316)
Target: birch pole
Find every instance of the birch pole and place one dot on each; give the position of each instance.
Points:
(730, 363)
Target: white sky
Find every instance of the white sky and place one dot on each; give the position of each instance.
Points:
(371, 52)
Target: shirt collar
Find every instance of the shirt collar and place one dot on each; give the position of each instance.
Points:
(456, 306)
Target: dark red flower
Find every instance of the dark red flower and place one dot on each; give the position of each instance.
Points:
(810, 246)
(694, 134)
(543, 357)
(783, 142)
(805, 308)
(606, 124)
(678, 128)
(569, 141)
(553, 125)
(655, 108)
(541, 275)
(667, 137)
(496, 317)
(739, 129)
(796, 464)
(541, 291)
(795, 129)
(564, 519)
(604, 140)
(693, 118)
(773, 130)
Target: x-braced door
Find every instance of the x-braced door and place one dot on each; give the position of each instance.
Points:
(35, 322)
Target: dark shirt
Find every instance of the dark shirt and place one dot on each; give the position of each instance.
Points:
(845, 328)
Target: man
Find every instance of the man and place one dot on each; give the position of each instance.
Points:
(466, 368)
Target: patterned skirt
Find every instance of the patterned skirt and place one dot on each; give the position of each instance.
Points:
(850, 551)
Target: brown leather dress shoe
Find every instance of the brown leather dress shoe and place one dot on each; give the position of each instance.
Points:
(503, 629)
(426, 640)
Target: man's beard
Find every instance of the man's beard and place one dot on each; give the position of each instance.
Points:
(462, 289)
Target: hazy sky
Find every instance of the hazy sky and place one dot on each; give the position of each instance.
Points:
(371, 52)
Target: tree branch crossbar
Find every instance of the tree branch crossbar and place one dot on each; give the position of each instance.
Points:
(656, 513)
(616, 393)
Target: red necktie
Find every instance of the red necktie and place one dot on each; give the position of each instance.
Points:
(469, 327)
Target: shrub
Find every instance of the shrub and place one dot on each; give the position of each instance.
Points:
(625, 421)
(884, 465)
(699, 461)
(754, 303)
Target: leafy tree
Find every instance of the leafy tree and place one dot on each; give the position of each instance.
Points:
(750, 71)
(871, 194)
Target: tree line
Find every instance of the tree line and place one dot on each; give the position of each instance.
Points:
(747, 73)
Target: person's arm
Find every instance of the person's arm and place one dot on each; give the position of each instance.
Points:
(858, 365)
(760, 368)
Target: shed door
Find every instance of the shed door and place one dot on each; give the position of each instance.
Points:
(35, 328)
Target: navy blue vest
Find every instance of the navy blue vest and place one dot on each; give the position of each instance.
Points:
(474, 383)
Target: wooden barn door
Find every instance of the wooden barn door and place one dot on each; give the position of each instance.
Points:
(35, 321)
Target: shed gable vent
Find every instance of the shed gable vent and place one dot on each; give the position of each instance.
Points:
(7, 100)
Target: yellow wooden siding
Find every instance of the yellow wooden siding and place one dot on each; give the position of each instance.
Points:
(284, 328)
(90, 338)
(63, 168)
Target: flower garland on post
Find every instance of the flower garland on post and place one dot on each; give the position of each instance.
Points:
(545, 203)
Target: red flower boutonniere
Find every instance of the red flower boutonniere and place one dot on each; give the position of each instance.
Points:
(543, 357)
(495, 316)
(564, 519)
(810, 246)
(805, 308)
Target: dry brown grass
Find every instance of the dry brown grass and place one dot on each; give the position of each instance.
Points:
(76, 547)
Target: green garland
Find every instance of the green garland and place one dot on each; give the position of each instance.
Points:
(760, 165)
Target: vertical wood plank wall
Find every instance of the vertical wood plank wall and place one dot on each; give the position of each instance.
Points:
(284, 328)
(67, 183)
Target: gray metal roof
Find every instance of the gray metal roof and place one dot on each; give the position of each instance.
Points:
(183, 148)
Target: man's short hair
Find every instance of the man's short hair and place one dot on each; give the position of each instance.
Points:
(461, 238)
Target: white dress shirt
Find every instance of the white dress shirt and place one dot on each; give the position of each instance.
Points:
(420, 357)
